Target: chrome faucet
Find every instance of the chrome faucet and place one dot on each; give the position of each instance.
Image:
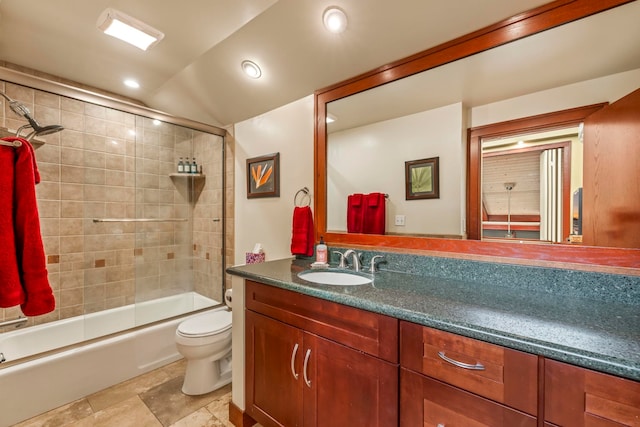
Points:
(343, 261)
(356, 263)
(373, 268)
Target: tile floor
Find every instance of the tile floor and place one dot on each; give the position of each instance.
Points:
(150, 400)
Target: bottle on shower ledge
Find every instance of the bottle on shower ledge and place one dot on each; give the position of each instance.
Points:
(194, 166)
(180, 166)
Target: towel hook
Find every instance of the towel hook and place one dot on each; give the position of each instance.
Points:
(305, 195)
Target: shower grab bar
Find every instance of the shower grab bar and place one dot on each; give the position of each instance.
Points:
(140, 219)
(11, 322)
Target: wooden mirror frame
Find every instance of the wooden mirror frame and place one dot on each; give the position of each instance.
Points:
(519, 26)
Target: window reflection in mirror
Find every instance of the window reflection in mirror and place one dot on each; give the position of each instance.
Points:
(527, 181)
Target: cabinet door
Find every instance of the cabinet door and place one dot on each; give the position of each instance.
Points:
(425, 402)
(273, 383)
(347, 388)
(576, 397)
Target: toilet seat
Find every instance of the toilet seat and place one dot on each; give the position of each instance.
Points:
(205, 325)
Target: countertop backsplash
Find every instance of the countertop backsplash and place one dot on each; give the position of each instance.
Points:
(603, 287)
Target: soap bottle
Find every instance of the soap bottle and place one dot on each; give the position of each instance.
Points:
(180, 166)
(194, 166)
(321, 252)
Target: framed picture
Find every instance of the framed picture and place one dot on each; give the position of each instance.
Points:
(422, 179)
(263, 176)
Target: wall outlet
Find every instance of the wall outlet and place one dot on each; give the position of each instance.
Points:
(400, 220)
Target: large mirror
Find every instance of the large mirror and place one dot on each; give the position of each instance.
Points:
(367, 131)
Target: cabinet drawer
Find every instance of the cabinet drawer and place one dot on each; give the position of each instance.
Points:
(576, 396)
(428, 402)
(500, 374)
(365, 331)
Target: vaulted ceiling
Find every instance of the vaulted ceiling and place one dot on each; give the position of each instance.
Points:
(194, 72)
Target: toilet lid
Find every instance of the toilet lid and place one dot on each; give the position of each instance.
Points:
(206, 324)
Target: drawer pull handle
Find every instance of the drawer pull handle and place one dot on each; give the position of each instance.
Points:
(304, 372)
(293, 359)
(476, 367)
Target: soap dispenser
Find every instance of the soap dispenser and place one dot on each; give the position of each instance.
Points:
(321, 252)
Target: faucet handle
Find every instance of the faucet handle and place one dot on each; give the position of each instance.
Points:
(343, 260)
(373, 267)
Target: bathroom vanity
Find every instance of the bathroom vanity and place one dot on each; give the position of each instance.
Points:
(412, 349)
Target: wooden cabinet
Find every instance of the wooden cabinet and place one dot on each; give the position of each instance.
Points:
(311, 362)
(428, 402)
(576, 397)
(451, 380)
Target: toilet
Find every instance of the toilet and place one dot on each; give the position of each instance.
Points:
(205, 342)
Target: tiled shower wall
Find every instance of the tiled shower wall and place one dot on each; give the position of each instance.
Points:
(115, 165)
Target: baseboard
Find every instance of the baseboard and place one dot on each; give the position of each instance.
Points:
(238, 417)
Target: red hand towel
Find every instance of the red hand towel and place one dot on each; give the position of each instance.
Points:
(30, 257)
(375, 214)
(302, 236)
(355, 213)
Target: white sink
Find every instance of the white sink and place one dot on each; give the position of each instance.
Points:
(341, 278)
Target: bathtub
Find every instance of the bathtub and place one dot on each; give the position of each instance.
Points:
(42, 383)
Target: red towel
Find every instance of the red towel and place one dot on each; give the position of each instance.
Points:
(355, 213)
(302, 236)
(374, 214)
(32, 290)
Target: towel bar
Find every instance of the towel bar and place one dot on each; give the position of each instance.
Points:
(140, 219)
(16, 321)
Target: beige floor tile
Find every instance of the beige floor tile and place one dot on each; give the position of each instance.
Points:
(129, 413)
(169, 404)
(200, 418)
(135, 386)
(62, 416)
(220, 407)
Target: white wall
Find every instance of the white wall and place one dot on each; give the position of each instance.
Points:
(604, 89)
(372, 158)
(289, 131)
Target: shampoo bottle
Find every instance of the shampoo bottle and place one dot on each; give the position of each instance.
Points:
(321, 252)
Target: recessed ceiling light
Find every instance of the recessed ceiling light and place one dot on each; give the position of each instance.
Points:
(128, 29)
(251, 69)
(335, 20)
(132, 83)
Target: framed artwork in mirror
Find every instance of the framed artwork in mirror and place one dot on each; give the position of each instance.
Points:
(422, 179)
(263, 176)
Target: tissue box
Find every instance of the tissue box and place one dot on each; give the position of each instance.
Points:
(252, 258)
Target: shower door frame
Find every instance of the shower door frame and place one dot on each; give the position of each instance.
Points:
(67, 90)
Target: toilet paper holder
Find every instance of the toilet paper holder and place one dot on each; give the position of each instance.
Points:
(228, 297)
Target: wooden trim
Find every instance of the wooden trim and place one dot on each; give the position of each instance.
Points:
(238, 417)
(514, 218)
(548, 16)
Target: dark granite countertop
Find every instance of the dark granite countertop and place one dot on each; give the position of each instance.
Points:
(599, 335)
